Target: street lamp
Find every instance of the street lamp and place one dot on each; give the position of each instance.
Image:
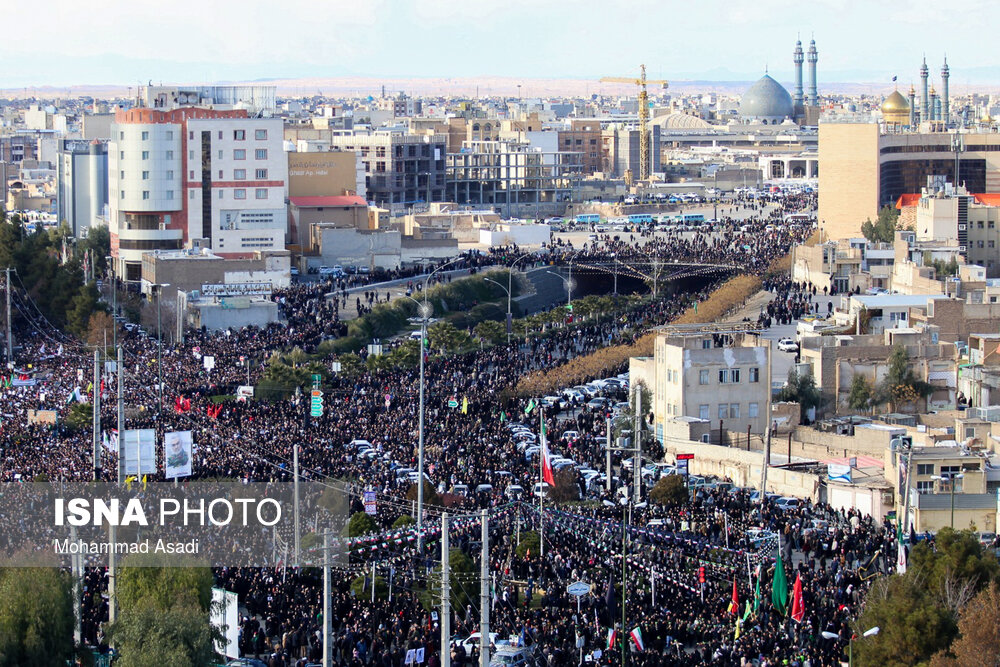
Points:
(569, 283)
(950, 477)
(870, 632)
(507, 290)
(158, 291)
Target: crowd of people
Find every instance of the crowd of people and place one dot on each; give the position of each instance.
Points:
(684, 622)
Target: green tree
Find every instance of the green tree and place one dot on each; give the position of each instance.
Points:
(431, 496)
(403, 521)
(164, 618)
(918, 612)
(443, 336)
(464, 582)
(350, 365)
(860, 395)
(801, 389)
(883, 230)
(566, 488)
(80, 416)
(360, 524)
(81, 308)
(900, 384)
(36, 617)
(669, 491)
(490, 332)
(362, 588)
(406, 355)
(530, 544)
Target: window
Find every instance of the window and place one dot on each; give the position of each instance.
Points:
(170, 135)
(145, 194)
(121, 155)
(240, 154)
(191, 193)
(170, 155)
(702, 377)
(239, 135)
(753, 411)
(145, 175)
(262, 176)
(145, 135)
(220, 154)
(191, 135)
(991, 243)
(703, 411)
(170, 194)
(260, 154)
(121, 175)
(121, 135)
(970, 431)
(220, 175)
(755, 374)
(145, 155)
(924, 488)
(925, 468)
(261, 193)
(734, 410)
(220, 134)
(723, 410)
(260, 135)
(220, 194)
(191, 174)
(122, 194)
(239, 193)
(170, 174)
(950, 470)
(239, 174)
(706, 344)
(729, 376)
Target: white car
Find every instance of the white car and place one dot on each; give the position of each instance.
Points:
(787, 345)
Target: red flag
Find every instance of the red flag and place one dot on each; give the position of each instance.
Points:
(798, 609)
(734, 606)
(547, 475)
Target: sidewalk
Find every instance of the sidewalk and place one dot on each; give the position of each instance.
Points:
(752, 309)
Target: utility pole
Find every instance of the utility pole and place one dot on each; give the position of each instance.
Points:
(96, 404)
(637, 454)
(607, 457)
(420, 432)
(159, 363)
(10, 343)
(295, 488)
(445, 594)
(541, 495)
(484, 594)
(121, 418)
(906, 490)
(76, 568)
(327, 657)
(767, 462)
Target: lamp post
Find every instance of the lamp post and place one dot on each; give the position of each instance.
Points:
(950, 477)
(507, 290)
(425, 312)
(510, 290)
(158, 291)
(870, 632)
(568, 281)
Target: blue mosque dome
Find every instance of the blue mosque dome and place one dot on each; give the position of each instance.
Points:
(766, 101)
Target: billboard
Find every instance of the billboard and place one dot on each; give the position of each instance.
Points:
(177, 454)
(138, 446)
(236, 289)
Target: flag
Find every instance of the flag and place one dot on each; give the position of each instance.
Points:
(465, 405)
(900, 550)
(75, 395)
(611, 603)
(531, 406)
(779, 587)
(894, 79)
(734, 604)
(739, 627)
(798, 609)
(756, 592)
(612, 638)
(748, 612)
(547, 475)
(636, 636)
(503, 416)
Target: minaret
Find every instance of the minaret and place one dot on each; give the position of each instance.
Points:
(933, 104)
(812, 57)
(945, 106)
(925, 100)
(913, 106)
(797, 59)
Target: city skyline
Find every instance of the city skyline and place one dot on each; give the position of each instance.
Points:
(712, 41)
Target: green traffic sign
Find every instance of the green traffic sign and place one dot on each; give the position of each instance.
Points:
(452, 403)
(317, 378)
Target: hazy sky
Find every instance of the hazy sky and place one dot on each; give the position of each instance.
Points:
(65, 42)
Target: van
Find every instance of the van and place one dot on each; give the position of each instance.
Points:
(460, 490)
(514, 491)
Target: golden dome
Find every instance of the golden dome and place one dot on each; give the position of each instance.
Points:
(896, 109)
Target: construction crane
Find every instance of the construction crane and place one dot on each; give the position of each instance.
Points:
(644, 162)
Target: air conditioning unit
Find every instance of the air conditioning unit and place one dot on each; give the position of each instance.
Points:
(961, 228)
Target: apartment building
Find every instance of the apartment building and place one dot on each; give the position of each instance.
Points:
(81, 183)
(720, 374)
(192, 177)
(400, 169)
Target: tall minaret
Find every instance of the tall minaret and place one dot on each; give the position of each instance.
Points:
(945, 73)
(925, 100)
(913, 106)
(934, 104)
(812, 57)
(797, 59)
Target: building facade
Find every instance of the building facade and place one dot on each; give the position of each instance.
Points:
(196, 178)
(82, 183)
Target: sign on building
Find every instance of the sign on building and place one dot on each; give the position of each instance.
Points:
(236, 289)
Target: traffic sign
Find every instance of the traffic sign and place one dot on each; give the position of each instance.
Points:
(453, 402)
(316, 378)
(685, 457)
(578, 588)
(316, 403)
(370, 504)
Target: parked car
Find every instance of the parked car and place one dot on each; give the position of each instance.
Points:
(787, 345)
(787, 503)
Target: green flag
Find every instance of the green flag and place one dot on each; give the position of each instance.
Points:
(756, 593)
(503, 416)
(779, 587)
(531, 406)
(748, 613)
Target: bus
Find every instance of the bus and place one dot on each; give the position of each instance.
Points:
(640, 219)
(690, 218)
(588, 219)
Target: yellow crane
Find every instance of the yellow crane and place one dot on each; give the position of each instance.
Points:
(644, 161)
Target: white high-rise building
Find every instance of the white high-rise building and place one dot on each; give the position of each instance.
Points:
(194, 178)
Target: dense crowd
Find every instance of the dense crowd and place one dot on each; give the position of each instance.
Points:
(254, 441)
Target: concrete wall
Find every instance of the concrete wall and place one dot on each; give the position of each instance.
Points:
(349, 246)
(848, 177)
(215, 317)
(549, 290)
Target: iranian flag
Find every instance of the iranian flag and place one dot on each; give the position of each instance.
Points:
(547, 475)
(636, 636)
(734, 605)
(612, 638)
